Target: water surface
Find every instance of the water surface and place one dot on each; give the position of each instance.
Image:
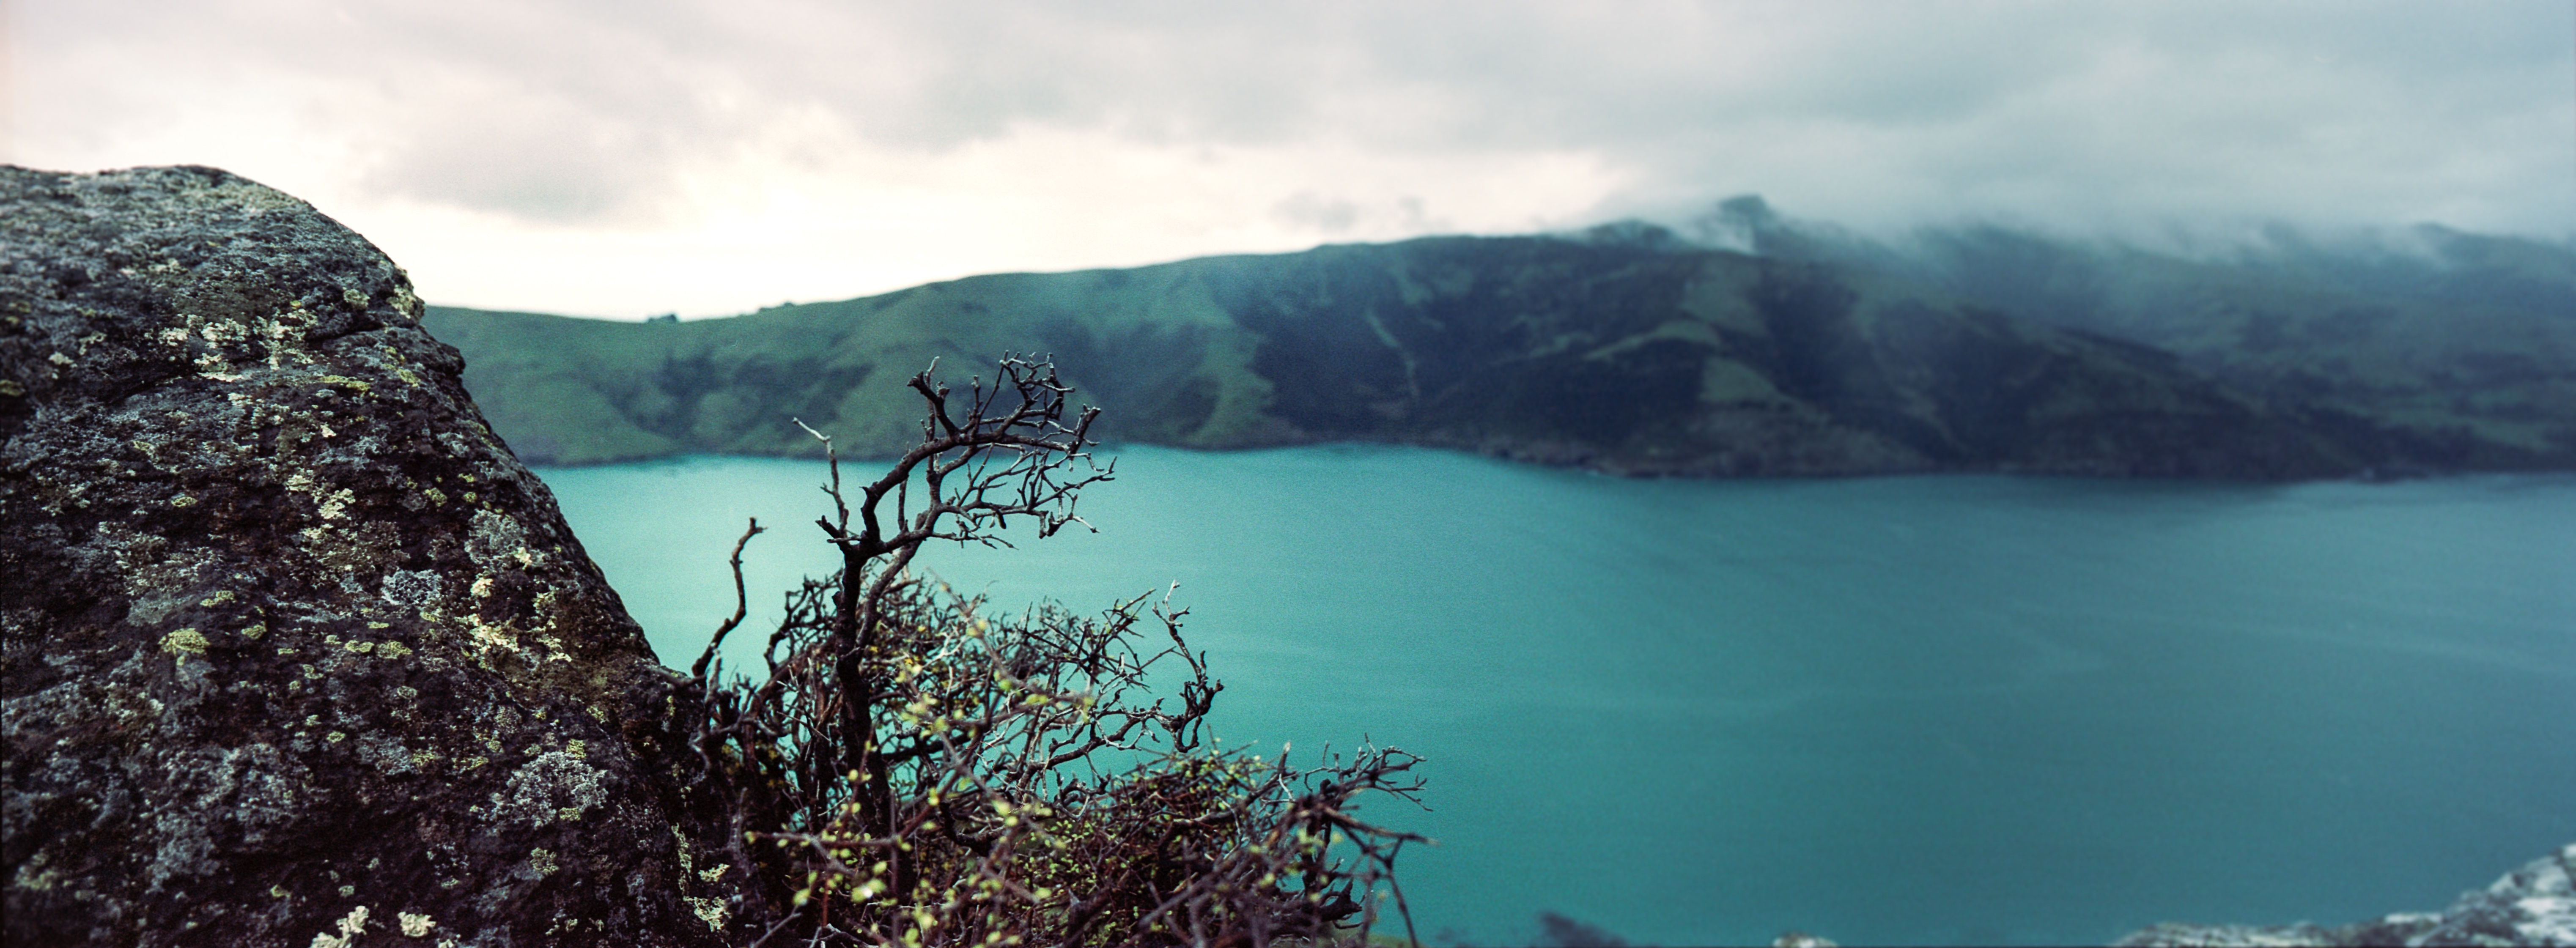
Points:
(1907, 710)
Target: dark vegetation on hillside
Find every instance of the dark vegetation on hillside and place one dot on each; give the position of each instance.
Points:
(1628, 349)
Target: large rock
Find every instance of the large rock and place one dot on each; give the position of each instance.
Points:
(2533, 905)
(296, 653)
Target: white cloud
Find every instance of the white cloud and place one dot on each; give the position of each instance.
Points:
(631, 157)
(872, 219)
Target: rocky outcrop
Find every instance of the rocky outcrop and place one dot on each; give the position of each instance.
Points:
(294, 652)
(2533, 905)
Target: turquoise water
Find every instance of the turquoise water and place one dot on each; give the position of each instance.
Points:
(1908, 710)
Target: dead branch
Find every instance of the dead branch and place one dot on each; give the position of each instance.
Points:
(929, 775)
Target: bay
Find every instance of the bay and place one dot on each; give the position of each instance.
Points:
(1921, 710)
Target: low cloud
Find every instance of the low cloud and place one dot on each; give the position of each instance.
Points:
(1275, 124)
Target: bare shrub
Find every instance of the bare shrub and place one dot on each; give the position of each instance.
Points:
(907, 770)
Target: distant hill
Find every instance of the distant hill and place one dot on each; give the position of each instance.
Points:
(1627, 349)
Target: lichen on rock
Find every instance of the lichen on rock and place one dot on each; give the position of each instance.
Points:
(287, 637)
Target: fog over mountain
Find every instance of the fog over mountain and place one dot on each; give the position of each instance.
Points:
(621, 159)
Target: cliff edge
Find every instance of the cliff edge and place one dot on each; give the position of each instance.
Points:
(293, 650)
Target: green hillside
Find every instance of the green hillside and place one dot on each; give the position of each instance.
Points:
(2477, 335)
(1626, 350)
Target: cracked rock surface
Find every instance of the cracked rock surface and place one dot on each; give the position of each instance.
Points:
(294, 652)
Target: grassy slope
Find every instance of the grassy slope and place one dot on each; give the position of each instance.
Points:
(583, 391)
(2477, 338)
(1620, 356)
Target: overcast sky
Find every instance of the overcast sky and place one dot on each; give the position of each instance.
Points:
(626, 157)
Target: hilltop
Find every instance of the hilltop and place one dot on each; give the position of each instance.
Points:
(1628, 349)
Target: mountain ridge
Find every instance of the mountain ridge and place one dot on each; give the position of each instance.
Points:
(1627, 349)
